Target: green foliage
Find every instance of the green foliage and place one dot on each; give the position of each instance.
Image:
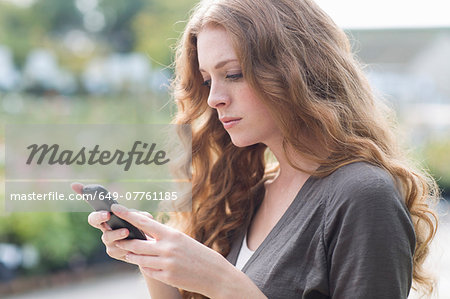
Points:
(56, 16)
(158, 27)
(57, 236)
(119, 17)
(17, 22)
(437, 153)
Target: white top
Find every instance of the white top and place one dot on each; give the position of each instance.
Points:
(244, 254)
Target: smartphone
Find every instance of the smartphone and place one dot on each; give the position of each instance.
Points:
(101, 200)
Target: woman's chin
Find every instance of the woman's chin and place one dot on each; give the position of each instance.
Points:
(239, 142)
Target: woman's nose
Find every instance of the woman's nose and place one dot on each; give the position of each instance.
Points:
(218, 97)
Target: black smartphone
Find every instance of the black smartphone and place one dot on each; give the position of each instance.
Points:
(101, 200)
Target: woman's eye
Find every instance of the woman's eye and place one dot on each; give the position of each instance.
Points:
(207, 83)
(234, 76)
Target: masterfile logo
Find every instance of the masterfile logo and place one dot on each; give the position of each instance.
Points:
(95, 156)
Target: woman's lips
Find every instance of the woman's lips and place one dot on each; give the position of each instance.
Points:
(229, 122)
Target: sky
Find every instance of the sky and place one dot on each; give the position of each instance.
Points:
(354, 14)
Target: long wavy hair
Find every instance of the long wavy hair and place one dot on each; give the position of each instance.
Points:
(301, 66)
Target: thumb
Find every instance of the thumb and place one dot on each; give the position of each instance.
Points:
(77, 187)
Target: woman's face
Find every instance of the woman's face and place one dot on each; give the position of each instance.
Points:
(246, 119)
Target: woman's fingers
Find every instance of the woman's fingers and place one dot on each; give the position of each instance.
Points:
(105, 227)
(147, 214)
(149, 226)
(153, 262)
(139, 246)
(98, 220)
(116, 253)
(110, 236)
(118, 248)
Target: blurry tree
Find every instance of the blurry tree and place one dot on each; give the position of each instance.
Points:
(56, 16)
(119, 17)
(147, 26)
(437, 154)
(20, 30)
(158, 26)
(56, 236)
(40, 26)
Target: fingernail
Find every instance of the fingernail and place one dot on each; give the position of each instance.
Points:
(127, 257)
(123, 233)
(104, 215)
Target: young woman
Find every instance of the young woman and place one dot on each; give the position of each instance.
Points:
(342, 215)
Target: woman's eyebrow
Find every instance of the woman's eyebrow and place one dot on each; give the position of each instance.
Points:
(220, 64)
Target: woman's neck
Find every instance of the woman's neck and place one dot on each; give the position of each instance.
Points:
(287, 174)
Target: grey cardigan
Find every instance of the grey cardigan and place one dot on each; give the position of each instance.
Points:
(347, 235)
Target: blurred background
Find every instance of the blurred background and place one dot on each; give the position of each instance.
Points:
(108, 61)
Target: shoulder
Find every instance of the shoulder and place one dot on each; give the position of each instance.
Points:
(361, 182)
(360, 174)
(364, 199)
(365, 194)
(368, 233)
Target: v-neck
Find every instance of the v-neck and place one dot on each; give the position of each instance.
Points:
(277, 227)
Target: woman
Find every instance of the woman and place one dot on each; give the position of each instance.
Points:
(341, 216)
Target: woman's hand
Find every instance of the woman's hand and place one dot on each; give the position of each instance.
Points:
(109, 237)
(170, 256)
